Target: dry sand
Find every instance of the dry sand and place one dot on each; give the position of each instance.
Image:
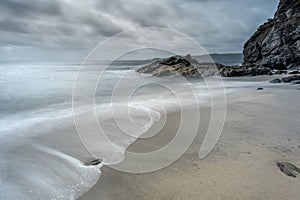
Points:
(261, 127)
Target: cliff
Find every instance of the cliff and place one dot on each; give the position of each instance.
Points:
(276, 44)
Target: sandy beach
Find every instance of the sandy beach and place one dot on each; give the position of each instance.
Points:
(261, 128)
(150, 100)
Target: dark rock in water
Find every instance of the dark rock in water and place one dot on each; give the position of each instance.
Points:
(179, 66)
(175, 65)
(291, 79)
(93, 162)
(276, 44)
(288, 169)
(260, 88)
(277, 80)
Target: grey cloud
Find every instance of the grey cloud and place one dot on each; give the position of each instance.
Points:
(101, 26)
(8, 25)
(31, 7)
(64, 25)
(142, 13)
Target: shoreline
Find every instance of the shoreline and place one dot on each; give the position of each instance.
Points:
(241, 166)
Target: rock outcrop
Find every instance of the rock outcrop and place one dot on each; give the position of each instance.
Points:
(179, 66)
(276, 44)
(189, 67)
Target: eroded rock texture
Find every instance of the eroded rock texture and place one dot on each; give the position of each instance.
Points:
(276, 44)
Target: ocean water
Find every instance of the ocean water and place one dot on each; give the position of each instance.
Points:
(41, 155)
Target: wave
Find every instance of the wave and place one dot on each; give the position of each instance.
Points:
(42, 157)
(34, 172)
(36, 163)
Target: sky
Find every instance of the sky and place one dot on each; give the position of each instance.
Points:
(70, 29)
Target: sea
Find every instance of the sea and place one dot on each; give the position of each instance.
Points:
(41, 155)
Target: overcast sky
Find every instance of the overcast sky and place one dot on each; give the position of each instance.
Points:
(69, 29)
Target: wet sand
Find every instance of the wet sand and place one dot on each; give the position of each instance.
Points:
(261, 127)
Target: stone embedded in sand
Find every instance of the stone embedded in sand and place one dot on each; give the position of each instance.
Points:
(93, 162)
(294, 72)
(288, 169)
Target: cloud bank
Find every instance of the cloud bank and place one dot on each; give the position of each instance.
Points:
(69, 29)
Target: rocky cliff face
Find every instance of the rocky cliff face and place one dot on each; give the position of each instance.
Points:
(276, 44)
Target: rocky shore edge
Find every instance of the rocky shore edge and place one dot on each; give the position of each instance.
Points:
(189, 67)
(273, 49)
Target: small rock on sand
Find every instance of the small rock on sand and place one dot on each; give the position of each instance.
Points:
(93, 162)
(288, 169)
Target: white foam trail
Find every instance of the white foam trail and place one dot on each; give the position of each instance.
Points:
(34, 172)
(44, 173)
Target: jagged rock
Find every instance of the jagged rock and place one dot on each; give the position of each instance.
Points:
(277, 80)
(290, 79)
(276, 44)
(179, 66)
